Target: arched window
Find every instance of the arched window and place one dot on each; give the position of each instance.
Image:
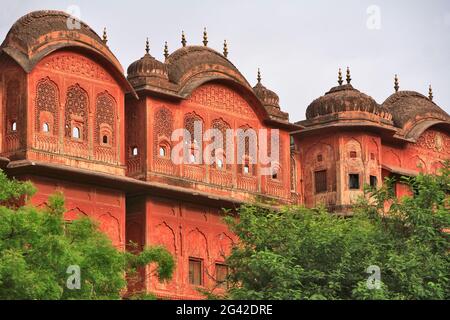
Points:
(134, 151)
(162, 130)
(163, 151)
(105, 108)
(47, 104)
(222, 126)
(14, 126)
(219, 164)
(76, 134)
(76, 107)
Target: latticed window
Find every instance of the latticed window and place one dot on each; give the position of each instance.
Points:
(105, 114)
(162, 131)
(76, 106)
(320, 180)
(47, 102)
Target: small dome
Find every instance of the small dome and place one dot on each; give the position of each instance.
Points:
(266, 96)
(345, 98)
(147, 66)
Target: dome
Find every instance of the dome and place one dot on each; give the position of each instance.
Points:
(147, 66)
(344, 98)
(189, 61)
(410, 107)
(31, 29)
(266, 96)
(40, 33)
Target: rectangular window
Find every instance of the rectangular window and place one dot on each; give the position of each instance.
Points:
(353, 181)
(195, 272)
(320, 179)
(222, 275)
(373, 181)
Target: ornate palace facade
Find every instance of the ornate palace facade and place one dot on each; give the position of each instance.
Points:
(70, 120)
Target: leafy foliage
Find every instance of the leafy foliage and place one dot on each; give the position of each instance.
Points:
(37, 246)
(300, 253)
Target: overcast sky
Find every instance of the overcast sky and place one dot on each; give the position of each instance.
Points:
(299, 45)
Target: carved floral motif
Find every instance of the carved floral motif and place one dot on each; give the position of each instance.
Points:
(69, 63)
(221, 98)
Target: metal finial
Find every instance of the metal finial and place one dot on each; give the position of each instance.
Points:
(105, 36)
(259, 76)
(225, 48)
(205, 37)
(166, 50)
(430, 93)
(340, 77)
(348, 78)
(147, 47)
(396, 86)
(183, 39)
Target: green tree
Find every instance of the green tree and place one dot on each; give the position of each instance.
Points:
(37, 246)
(300, 253)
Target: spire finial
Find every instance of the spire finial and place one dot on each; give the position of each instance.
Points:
(225, 48)
(105, 36)
(430, 93)
(396, 86)
(166, 50)
(348, 78)
(259, 76)
(147, 47)
(340, 77)
(183, 39)
(205, 37)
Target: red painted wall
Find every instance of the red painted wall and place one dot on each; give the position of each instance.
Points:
(106, 206)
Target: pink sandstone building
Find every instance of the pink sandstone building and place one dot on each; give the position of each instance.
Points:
(71, 120)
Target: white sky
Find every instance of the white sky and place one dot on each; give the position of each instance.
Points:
(299, 45)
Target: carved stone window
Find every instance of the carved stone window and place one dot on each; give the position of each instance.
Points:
(353, 154)
(14, 114)
(162, 131)
(190, 120)
(76, 113)
(105, 110)
(222, 126)
(47, 107)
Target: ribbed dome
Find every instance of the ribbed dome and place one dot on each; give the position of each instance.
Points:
(147, 66)
(345, 98)
(409, 106)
